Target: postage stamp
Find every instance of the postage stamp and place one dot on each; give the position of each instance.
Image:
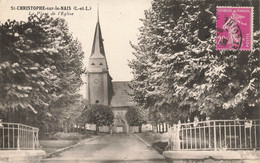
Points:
(234, 28)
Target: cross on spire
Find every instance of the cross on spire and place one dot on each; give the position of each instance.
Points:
(98, 13)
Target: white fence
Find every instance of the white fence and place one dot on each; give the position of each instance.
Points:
(162, 127)
(215, 135)
(18, 136)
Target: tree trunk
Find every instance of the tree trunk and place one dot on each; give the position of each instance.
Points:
(97, 129)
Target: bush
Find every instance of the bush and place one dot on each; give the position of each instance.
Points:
(68, 136)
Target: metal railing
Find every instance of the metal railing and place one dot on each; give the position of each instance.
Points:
(162, 127)
(215, 135)
(18, 136)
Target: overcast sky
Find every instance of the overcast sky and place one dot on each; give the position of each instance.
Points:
(119, 21)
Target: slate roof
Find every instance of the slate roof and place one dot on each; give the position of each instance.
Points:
(121, 96)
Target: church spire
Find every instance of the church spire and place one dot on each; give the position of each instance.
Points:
(97, 47)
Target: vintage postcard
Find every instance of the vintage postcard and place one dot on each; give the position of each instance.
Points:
(129, 81)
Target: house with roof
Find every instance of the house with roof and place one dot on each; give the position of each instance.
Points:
(102, 90)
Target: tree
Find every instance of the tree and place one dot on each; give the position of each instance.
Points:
(74, 115)
(177, 69)
(40, 70)
(99, 115)
(135, 117)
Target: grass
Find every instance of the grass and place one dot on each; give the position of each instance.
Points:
(157, 140)
(61, 140)
(49, 146)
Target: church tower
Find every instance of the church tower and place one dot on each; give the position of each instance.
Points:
(98, 78)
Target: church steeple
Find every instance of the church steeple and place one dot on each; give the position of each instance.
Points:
(98, 78)
(97, 59)
(98, 47)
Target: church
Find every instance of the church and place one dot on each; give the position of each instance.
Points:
(102, 90)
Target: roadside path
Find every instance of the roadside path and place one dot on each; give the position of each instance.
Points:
(110, 148)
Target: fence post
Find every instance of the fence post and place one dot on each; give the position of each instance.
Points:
(8, 136)
(33, 139)
(215, 137)
(170, 139)
(176, 136)
(18, 137)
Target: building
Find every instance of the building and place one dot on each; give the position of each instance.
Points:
(102, 90)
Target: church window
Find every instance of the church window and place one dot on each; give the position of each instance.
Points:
(97, 101)
(92, 63)
(101, 64)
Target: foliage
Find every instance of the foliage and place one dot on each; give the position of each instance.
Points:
(134, 117)
(40, 70)
(73, 115)
(177, 69)
(68, 136)
(99, 115)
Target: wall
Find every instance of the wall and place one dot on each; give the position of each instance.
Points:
(96, 89)
(133, 129)
(212, 156)
(21, 156)
(147, 127)
(92, 127)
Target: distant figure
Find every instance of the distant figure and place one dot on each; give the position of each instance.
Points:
(111, 129)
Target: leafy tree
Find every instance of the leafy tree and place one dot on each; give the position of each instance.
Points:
(99, 115)
(74, 115)
(177, 69)
(134, 117)
(40, 70)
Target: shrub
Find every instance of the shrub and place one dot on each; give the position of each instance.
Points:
(68, 136)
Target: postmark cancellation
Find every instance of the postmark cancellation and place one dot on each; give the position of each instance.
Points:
(234, 28)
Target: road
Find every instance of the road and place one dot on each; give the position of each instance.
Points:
(109, 148)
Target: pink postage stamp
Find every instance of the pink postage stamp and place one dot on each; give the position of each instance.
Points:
(234, 28)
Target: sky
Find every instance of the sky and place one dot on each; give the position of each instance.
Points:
(119, 20)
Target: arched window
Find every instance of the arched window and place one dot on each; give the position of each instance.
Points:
(101, 64)
(92, 63)
(97, 101)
